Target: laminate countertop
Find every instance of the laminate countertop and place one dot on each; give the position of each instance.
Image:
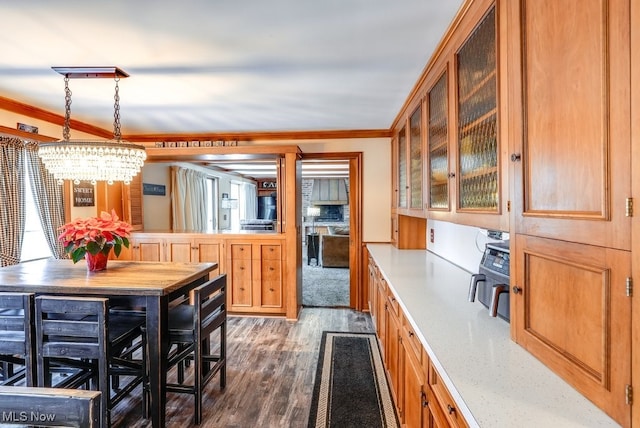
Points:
(494, 381)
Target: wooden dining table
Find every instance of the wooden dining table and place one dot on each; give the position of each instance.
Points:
(151, 285)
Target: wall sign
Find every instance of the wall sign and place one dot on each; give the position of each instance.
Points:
(83, 195)
(268, 185)
(154, 189)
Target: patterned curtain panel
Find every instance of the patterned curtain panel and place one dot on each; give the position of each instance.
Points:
(188, 199)
(12, 211)
(49, 198)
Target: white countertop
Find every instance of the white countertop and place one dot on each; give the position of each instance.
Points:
(495, 382)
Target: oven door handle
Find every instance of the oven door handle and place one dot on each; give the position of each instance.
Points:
(473, 286)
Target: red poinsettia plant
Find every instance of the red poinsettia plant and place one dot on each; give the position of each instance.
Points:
(95, 235)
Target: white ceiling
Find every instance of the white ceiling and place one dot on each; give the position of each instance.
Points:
(202, 66)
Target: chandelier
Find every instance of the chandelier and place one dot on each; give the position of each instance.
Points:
(92, 160)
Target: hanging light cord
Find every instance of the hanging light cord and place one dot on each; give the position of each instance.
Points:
(116, 112)
(66, 134)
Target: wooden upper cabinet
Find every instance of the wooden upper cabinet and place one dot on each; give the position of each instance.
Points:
(570, 72)
(438, 138)
(403, 180)
(477, 136)
(415, 159)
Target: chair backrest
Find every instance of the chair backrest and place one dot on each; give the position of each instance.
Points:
(210, 305)
(71, 327)
(49, 407)
(16, 329)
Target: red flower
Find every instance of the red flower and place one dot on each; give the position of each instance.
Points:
(95, 234)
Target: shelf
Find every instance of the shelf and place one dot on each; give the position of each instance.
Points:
(479, 86)
(467, 127)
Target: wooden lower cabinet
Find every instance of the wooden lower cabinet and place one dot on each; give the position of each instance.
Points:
(415, 412)
(255, 274)
(444, 410)
(393, 357)
(582, 288)
(185, 248)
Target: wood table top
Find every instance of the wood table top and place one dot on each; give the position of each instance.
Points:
(120, 277)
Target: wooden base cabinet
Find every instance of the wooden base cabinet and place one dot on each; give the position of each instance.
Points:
(583, 289)
(185, 248)
(256, 277)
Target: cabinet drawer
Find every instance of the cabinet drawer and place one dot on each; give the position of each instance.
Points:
(270, 252)
(241, 251)
(393, 303)
(447, 405)
(409, 336)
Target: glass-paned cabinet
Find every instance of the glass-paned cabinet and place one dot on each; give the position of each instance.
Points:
(478, 180)
(415, 157)
(403, 184)
(438, 145)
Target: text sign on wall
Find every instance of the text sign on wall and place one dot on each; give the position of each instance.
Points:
(154, 189)
(83, 195)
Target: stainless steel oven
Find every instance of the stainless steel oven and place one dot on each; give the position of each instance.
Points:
(491, 284)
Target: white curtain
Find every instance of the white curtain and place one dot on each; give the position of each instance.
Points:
(250, 205)
(188, 199)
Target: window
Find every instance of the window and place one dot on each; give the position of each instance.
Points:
(212, 204)
(34, 244)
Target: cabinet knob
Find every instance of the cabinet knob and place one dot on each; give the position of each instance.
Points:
(271, 289)
(451, 175)
(516, 157)
(241, 288)
(516, 289)
(451, 409)
(410, 334)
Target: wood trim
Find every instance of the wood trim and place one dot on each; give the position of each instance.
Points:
(635, 221)
(357, 269)
(262, 135)
(25, 135)
(172, 154)
(47, 116)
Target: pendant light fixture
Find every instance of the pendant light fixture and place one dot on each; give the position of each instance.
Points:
(92, 160)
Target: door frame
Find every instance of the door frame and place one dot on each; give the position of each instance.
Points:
(356, 291)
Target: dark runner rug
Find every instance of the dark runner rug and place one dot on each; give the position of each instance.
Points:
(350, 388)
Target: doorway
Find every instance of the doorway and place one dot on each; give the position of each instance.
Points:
(331, 229)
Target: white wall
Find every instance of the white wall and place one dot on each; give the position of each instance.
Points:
(462, 245)
(376, 178)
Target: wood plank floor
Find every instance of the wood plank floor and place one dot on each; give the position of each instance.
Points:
(270, 373)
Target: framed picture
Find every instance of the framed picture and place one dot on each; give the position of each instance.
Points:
(84, 195)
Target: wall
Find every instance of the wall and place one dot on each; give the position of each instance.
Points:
(376, 178)
(460, 244)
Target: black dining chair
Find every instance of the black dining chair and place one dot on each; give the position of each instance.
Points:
(79, 337)
(191, 330)
(17, 356)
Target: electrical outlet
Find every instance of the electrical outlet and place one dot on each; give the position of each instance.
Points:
(431, 236)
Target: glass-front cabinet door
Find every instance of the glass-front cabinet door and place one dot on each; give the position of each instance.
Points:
(438, 145)
(478, 179)
(403, 182)
(415, 158)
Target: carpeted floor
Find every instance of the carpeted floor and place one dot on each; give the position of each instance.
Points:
(351, 389)
(324, 287)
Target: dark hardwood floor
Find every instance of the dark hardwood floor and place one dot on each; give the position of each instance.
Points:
(270, 373)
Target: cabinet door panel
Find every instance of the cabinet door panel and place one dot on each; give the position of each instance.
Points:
(241, 282)
(414, 387)
(271, 283)
(575, 168)
(179, 250)
(147, 250)
(209, 251)
(581, 288)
